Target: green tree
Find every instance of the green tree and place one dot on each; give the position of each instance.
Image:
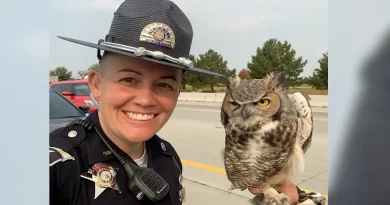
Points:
(211, 61)
(185, 79)
(319, 79)
(94, 67)
(305, 80)
(194, 79)
(62, 73)
(86, 72)
(276, 56)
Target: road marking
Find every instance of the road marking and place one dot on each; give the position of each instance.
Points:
(204, 166)
(222, 171)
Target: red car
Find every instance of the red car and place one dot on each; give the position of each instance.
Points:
(76, 91)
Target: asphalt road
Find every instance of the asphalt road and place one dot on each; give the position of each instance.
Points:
(197, 135)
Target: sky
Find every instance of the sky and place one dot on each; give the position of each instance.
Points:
(232, 28)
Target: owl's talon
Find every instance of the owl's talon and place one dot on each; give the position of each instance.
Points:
(284, 199)
(258, 200)
(279, 199)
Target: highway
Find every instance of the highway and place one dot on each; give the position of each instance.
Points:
(197, 135)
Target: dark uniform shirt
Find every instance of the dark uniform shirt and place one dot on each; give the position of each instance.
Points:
(74, 150)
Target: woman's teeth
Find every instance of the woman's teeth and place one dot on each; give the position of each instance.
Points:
(135, 116)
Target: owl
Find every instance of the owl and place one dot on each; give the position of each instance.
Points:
(267, 133)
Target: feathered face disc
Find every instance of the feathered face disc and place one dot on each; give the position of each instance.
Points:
(253, 99)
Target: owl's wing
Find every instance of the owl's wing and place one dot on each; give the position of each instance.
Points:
(302, 105)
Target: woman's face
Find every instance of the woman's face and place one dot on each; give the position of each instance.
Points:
(137, 97)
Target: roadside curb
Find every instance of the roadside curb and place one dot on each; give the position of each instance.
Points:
(320, 101)
(219, 103)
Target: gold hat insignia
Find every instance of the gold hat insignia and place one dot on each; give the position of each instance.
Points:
(158, 34)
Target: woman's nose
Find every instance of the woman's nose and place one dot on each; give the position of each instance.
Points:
(145, 97)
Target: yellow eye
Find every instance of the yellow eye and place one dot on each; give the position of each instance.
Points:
(263, 102)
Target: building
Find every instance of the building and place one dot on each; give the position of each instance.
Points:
(53, 79)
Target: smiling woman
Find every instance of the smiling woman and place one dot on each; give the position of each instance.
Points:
(138, 85)
(137, 98)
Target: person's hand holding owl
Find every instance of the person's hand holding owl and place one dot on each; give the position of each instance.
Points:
(287, 188)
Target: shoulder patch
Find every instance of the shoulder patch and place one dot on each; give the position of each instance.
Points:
(58, 155)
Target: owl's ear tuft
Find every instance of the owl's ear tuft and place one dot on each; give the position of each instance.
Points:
(278, 81)
(282, 80)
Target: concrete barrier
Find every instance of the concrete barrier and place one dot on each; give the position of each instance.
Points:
(315, 100)
(219, 97)
(319, 100)
(209, 97)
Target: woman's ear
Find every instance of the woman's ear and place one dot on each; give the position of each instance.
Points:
(94, 83)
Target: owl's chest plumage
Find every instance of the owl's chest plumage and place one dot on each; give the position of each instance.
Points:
(251, 156)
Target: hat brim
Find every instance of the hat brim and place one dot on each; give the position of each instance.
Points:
(105, 48)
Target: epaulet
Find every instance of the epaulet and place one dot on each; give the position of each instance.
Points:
(63, 140)
(162, 146)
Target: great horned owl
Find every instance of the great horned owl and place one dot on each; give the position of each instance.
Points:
(267, 134)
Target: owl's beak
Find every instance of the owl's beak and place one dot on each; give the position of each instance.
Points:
(245, 113)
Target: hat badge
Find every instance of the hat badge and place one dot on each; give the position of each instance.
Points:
(159, 34)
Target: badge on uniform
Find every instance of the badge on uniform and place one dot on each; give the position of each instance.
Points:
(104, 176)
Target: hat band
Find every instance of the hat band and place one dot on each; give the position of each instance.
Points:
(141, 51)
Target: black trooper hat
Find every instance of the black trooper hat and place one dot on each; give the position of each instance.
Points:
(153, 30)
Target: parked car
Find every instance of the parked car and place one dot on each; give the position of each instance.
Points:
(62, 111)
(76, 91)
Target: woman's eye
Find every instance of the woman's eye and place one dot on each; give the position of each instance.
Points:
(128, 80)
(164, 85)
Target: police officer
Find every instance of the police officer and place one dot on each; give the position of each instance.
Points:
(138, 84)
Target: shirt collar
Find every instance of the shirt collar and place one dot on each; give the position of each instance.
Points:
(98, 151)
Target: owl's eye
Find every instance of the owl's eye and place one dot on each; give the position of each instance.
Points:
(234, 103)
(263, 102)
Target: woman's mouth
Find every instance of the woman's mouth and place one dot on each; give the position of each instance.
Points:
(139, 116)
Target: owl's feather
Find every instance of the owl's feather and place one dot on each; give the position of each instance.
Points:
(302, 105)
(267, 134)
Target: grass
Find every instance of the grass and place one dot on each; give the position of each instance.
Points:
(305, 89)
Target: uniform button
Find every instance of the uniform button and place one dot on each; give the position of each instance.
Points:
(181, 179)
(72, 133)
(182, 195)
(163, 146)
